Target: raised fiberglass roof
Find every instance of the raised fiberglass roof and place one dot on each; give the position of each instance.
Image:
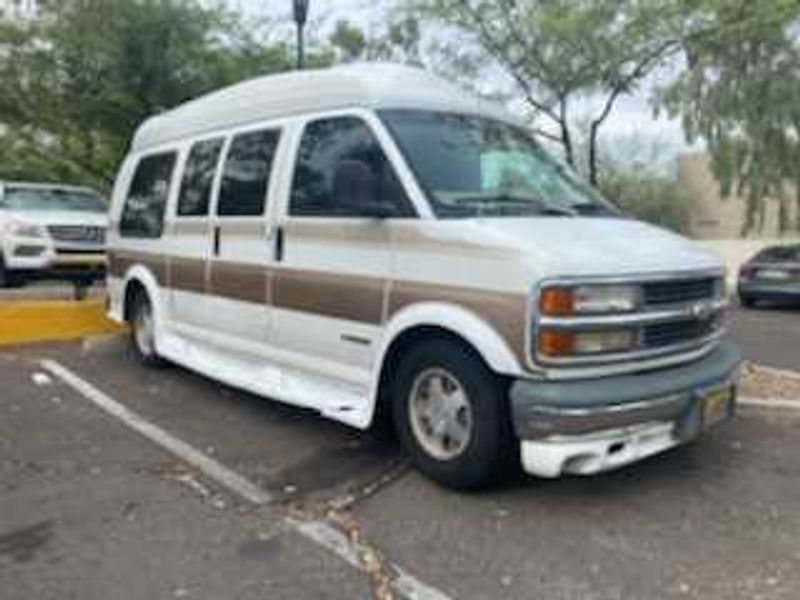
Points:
(373, 85)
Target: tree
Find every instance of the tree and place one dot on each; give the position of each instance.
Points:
(76, 82)
(740, 93)
(399, 41)
(557, 52)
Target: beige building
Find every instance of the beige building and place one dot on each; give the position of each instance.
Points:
(713, 217)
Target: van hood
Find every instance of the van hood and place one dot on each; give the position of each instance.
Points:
(588, 246)
(59, 217)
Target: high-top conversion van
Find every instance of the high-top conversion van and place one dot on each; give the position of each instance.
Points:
(369, 240)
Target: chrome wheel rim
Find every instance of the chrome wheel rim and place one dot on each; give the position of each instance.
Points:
(143, 330)
(440, 414)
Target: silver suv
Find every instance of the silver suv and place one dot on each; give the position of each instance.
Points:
(51, 232)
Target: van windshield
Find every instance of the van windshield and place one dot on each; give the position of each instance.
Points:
(55, 199)
(473, 166)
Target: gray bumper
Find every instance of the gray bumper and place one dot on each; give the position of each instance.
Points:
(571, 408)
(768, 289)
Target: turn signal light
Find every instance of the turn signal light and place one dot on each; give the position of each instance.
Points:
(557, 301)
(556, 344)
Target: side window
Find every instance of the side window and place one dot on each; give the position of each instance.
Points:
(143, 213)
(198, 177)
(341, 169)
(245, 179)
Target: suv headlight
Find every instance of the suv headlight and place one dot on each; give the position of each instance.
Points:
(567, 300)
(22, 229)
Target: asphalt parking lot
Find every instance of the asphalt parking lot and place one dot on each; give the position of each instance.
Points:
(92, 509)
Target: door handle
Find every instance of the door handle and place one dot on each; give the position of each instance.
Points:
(216, 240)
(278, 244)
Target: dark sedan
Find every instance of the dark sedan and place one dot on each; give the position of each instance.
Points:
(772, 274)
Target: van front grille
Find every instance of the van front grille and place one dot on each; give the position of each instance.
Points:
(661, 335)
(679, 290)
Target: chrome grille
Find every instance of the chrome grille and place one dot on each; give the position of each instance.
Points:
(681, 290)
(78, 233)
(661, 335)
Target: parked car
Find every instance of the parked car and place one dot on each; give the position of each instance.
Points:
(773, 274)
(369, 240)
(51, 232)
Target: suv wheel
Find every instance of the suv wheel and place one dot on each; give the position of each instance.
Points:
(8, 280)
(143, 333)
(452, 416)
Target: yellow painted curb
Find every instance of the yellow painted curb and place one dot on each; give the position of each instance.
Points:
(23, 321)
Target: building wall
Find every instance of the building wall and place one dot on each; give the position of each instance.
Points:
(715, 218)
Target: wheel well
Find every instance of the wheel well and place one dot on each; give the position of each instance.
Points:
(399, 346)
(132, 291)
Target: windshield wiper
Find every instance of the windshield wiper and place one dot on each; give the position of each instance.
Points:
(500, 199)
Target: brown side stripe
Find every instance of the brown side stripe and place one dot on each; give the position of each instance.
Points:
(338, 296)
(236, 281)
(507, 313)
(348, 297)
(120, 261)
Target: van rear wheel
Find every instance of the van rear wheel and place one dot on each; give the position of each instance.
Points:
(143, 335)
(451, 415)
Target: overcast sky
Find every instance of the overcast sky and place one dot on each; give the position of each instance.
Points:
(632, 120)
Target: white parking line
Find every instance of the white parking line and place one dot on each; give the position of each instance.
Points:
(210, 467)
(318, 532)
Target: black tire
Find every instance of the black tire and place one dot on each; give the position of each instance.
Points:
(747, 301)
(489, 452)
(143, 344)
(9, 280)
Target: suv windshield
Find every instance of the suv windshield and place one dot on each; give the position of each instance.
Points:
(473, 166)
(779, 254)
(32, 198)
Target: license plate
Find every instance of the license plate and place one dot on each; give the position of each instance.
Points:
(774, 274)
(717, 406)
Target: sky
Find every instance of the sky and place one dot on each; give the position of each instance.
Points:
(631, 124)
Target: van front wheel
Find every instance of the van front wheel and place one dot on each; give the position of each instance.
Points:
(451, 415)
(143, 335)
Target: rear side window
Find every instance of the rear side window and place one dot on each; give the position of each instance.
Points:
(342, 167)
(143, 213)
(198, 177)
(245, 179)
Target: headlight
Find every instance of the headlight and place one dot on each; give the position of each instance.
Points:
(22, 229)
(561, 301)
(555, 343)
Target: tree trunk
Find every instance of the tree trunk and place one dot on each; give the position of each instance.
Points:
(593, 172)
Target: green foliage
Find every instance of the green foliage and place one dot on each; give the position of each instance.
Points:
(740, 92)
(77, 82)
(559, 51)
(651, 197)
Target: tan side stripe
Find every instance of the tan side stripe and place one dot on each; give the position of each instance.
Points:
(237, 281)
(348, 297)
(187, 274)
(505, 312)
(120, 261)
(338, 296)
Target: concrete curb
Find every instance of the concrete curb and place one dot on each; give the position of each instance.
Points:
(771, 403)
(36, 321)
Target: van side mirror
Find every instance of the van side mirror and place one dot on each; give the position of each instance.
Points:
(356, 191)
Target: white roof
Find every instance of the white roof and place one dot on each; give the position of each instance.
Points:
(372, 85)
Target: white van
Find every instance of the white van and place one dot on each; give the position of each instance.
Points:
(51, 231)
(370, 240)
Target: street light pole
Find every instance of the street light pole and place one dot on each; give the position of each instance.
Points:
(300, 17)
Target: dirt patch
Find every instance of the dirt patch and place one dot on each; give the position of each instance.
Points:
(764, 382)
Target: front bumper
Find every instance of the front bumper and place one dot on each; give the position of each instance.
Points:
(769, 290)
(595, 425)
